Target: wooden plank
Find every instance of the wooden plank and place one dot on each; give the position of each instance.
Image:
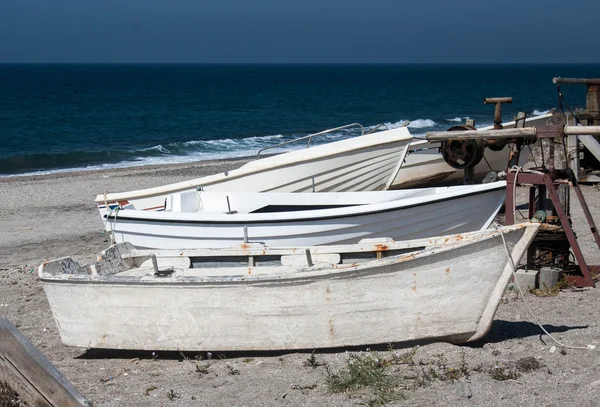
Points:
(577, 81)
(480, 134)
(582, 130)
(25, 371)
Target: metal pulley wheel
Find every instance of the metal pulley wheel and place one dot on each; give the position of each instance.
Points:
(461, 154)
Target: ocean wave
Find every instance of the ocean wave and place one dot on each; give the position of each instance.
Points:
(264, 138)
(421, 123)
(159, 148)
(176, 152)
(482, 125)
(389, 125)
(458, 119)
(179, 152)
(537, 112)
(415, 124)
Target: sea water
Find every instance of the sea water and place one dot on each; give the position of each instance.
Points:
(73, 117)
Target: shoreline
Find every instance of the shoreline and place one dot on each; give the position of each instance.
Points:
(217, 163)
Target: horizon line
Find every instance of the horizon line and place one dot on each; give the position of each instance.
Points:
(294, 63)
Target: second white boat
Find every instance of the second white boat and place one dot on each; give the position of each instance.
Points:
(199, 219)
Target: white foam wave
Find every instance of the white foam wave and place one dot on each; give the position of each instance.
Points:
(220, 142)
(249, 142)
(421, 123)
(158, 148)
(414, 124)
(482, 125)
(458, 119)
(540, 112)
(264, 138)
(390, 125)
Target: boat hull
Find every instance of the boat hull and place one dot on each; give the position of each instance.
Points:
(460, 209)
(447, 293)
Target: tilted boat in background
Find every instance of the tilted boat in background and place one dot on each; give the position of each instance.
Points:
(258, 298)
(196, 219)
(368, 162)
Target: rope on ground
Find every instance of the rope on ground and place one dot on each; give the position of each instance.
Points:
(535, 319)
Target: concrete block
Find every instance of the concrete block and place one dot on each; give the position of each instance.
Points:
(549, 276)
(527, 279)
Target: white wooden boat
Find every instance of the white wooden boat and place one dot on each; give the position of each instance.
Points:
(424, 165)
(197, 219)
(258, 298)
(365, 163)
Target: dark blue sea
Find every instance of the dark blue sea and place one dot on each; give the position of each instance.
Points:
(72, 117)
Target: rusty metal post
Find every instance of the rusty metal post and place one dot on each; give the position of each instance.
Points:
(592, 96)
(550, 155)
(498, 109)
(514, 156)
(469, 176)
(531, 202)
(509, 206)
(593, 104)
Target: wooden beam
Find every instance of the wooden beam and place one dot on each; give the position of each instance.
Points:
(582, 130)
(480, 134)
(30, 375)
(577, 81)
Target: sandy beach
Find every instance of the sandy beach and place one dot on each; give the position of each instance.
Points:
(51, 216)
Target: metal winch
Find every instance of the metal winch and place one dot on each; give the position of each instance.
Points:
(464, 153)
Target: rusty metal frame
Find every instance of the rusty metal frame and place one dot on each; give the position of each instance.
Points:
(546, 181)
(549, 181)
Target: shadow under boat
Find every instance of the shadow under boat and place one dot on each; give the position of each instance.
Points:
(501, 331)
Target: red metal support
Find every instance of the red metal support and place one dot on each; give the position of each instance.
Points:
(510, 202)
(547, 180)
(587, 280)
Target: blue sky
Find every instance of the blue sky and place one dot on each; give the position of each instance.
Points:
(291, 31)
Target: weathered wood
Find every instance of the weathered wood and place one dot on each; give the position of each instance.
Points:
(481, 134)
(577, 81)
(593, 104)
(582, 130)
(520, 120)
(491, 101)
(573, 155)
(447, 290)
(498, 109)
(30, 375)
(591, 144)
